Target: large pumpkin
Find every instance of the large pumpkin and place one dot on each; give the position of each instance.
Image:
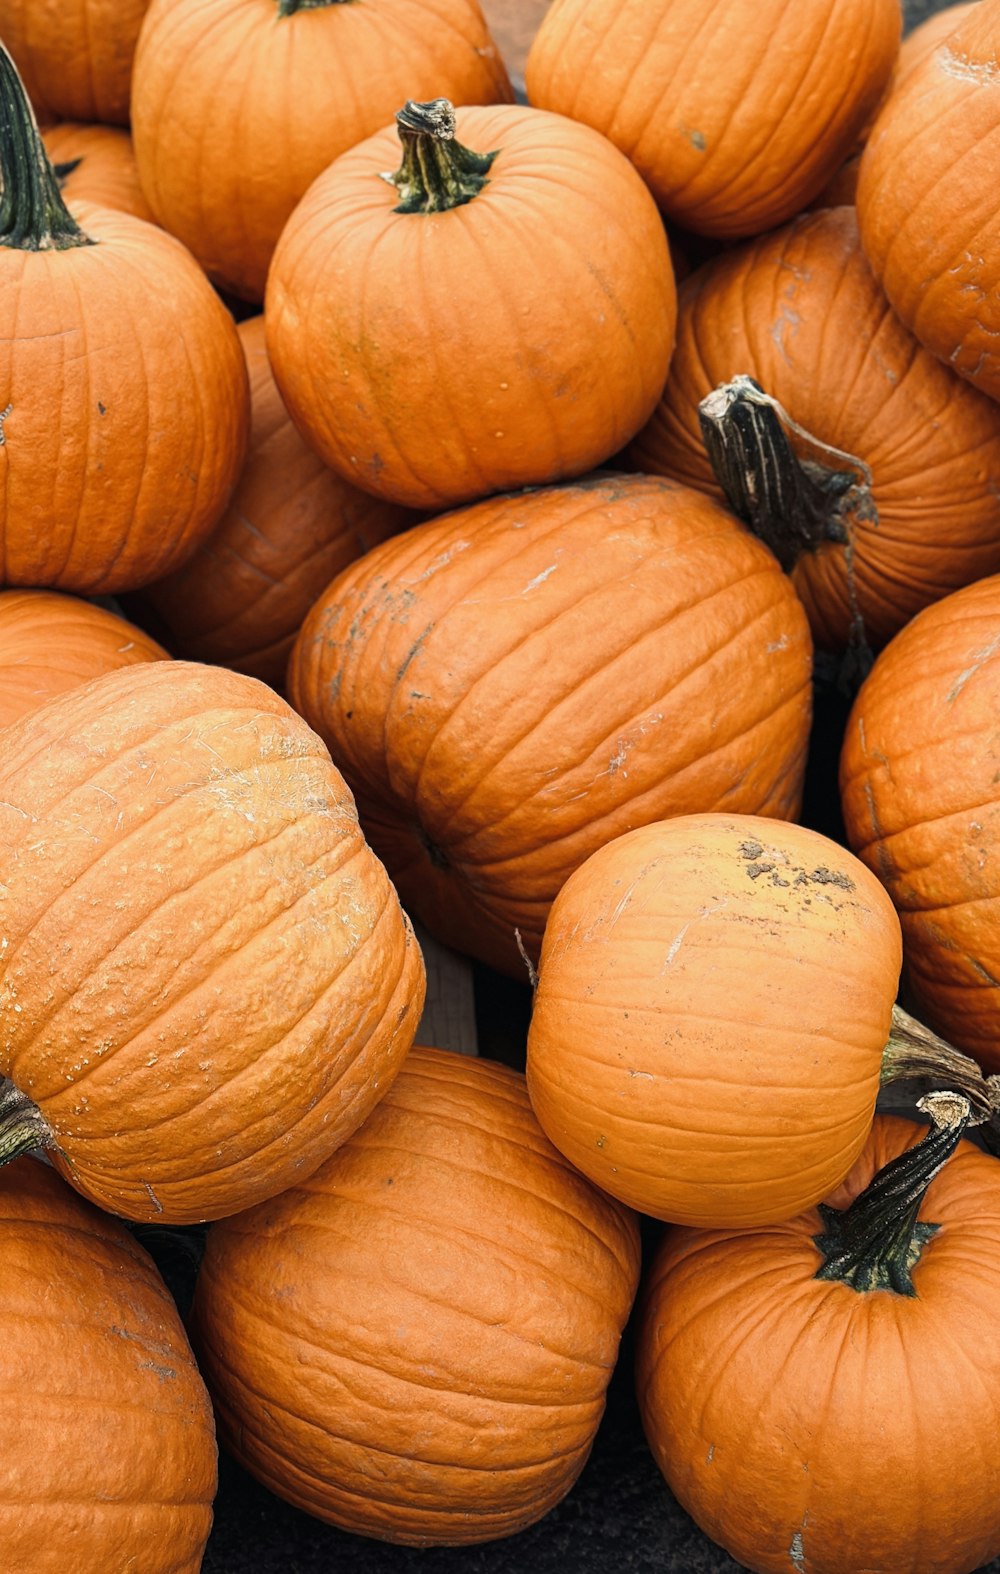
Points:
(126, 395)
(96, 164)
(823, 1395)
(49, 643)
(800, 313)
(416, 1344)
(498, 313)
(75, 55)
(109, 1459)
(511, 686)
(206, 981)
(291, 525)
(735, 112)
(264, 94)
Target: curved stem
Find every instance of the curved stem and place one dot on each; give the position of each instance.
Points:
(437, 172)
(23, 1128)
(874, 1244)
(33, 216)
(915, 1054)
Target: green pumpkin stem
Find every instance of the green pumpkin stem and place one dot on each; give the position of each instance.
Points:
(875, 1243)
(33, 215)
(914, 1054)
(289, 7)
(23, 1128)
(437, 172)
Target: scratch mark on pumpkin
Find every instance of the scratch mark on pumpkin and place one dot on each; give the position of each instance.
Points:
(797, 1550)
(982, 72)
(979, 660)
(153, 1197)
(676, 944)
(540, 579)
(3, 416)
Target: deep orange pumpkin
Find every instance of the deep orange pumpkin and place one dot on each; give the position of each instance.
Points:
(75, 55)
(460, 1291)
(206, 980)
(264, 94)
(505, 317)
(800, 312)
(511, 686)
(96, 164)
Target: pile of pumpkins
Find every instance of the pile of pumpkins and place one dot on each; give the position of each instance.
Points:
(384, 532)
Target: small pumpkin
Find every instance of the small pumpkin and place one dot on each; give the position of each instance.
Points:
(96, 164)
(264, 94)
(435, 333)
(75, 55)
(461, 1292)
(510, 686)
(290, 526)
(206, 980)
(112, 1462)
(849, 1359)
(50, 643)
(735, 112)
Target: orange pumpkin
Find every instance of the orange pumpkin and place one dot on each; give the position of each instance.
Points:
(96, 164)
(75, 55)
(511, 686)
(206, 980)
(49, 643)
(127, 404)
(290, 527)
(821, 1401)
(735, 112)
(422, 388)
(461, 1292)
(112, 1463)
(264, 94)
(800, 312)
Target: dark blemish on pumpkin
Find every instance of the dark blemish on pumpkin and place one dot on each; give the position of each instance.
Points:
(376, 465)
(388, 1180)
(101, 409)
(349, 715)
(437, 857)
(164, 1373)
(335, 683)
(756, 870)
(3, 416)
(751, 849)
(696, 139)
(415, 694)
(824, 876)
(402, 1012)
(413, 652)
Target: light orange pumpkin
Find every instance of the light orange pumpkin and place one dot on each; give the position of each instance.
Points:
(75, 55)
(96, 164)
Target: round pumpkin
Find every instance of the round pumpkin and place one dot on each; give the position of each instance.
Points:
(435, 333)
(735, 112)
(206, 980)
(75, 55)
(511, 686)
(49, 643)
(264, 94)
(125, 426)
(461, 1292)
(866, 1403)
(112, 1461)
(927, 207)
(96, 164)
(290, 526)
(801, 314)
(920, 788)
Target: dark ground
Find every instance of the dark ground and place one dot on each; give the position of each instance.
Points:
(620, 1518)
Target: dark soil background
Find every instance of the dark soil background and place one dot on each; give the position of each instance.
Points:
(620, 1518)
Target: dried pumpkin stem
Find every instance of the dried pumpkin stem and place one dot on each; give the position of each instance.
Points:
(289, 7)
(437, 172)
(33, 215)
(875, 1243)
(23, 1128)
(915, 1054)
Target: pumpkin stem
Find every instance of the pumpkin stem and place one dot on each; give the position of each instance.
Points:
(33, 216)
(23, 1128)
(437, 172)
(875, 1243)
(915, 1054)
(289, 7)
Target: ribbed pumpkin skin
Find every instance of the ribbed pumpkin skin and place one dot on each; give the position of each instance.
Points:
(207, 981)
(870, 1418)
(921, 801)
(153, 408)
(460, 1292)
(801, 312)
(290, 527)
(511, 686)
(432, 358)
(264, 102)
(109, 1460)
(75, 55)
(713, 1000)
(50, 643)
(106, 173)
(927, 203)
(735, 112)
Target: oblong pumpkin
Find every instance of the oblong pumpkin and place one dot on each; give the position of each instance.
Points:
(97, 164)
(50, 643)
(735, 112)
(290, 526)
(75, 55)
(461, 1291)
(801, 313)
(264, 94)
(112, 1462)
(438, 354)
(714, 996)
(511, 686)
(206, 980)
(921, 800)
